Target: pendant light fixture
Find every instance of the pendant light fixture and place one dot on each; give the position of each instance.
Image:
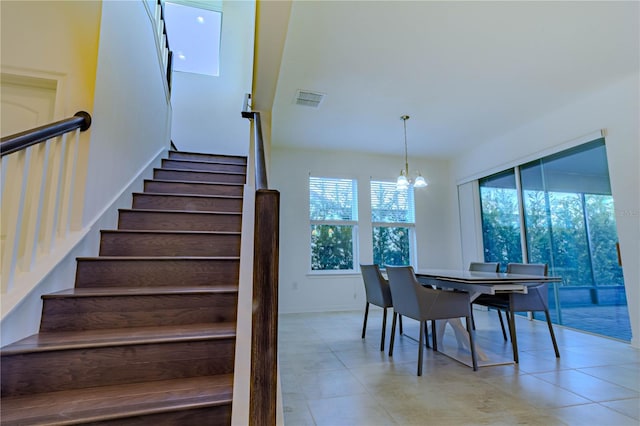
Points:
(405, 180)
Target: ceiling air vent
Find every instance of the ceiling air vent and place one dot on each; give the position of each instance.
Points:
(308, 98)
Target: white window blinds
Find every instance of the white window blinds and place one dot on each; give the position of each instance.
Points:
(391, 205)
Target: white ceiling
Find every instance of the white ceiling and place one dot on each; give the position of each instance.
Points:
(465, 72)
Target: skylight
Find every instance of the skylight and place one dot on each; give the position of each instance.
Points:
(194, 37)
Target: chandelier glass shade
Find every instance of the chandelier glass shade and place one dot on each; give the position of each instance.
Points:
(405, 180)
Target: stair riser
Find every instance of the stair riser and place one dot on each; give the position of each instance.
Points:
(187, 203)
(212, 167)
(156, 273)
(194, 188)
(52, 371)
(103, 312)
(183, 175)
(142, 220)
(162, 244)
(179, 155)
(219, 415)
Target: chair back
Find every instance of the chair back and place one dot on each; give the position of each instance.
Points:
(404, 285)
(537, 297)
(527, 268)
(376, 286)
(484, 266)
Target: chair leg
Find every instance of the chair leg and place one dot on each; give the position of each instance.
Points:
(400, 317)
(426, 334)
(384, 328)
(473, 320)
(364, 325)
(512, 332)
(434, 335)
(472, 345)
(553, 336)
(504, 333)
(393, 333)
(420, 348)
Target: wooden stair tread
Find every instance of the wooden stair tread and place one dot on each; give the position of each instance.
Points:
(217, 160)
(159, 258)
(166, 232)
(201, 171)
(138, 291)
(193, 212)
(192, 182)
(114, 402)
(168, 194)
(205, 155)
(64, 340)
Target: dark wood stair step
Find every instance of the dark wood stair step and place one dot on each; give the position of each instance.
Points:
(139, 219)
(169, 243)
(99, 308)
(195, 188)
(199, 176)
(66, 340)
(179, 164)
(189, 401)
(72, 360)
(209, 203)
(185, 155)
(110, 271)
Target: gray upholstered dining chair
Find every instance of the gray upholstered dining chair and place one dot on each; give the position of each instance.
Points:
(411, 299)
(484, 266)
(378, 293)
(486, 299)
(536, 299)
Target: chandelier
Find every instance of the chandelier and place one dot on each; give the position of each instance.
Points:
(405, 180)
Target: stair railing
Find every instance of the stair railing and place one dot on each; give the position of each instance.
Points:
(40, 201)
(264, 334)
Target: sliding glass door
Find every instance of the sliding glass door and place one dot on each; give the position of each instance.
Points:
(566, 215)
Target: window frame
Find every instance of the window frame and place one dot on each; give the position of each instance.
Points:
(353, 223)
(396, 224)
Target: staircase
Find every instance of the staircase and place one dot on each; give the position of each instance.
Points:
(147, 335)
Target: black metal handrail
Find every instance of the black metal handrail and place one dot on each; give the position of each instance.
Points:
(169, 70)
(19, 141)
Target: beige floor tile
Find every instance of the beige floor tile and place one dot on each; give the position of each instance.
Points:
(628, 407)
(587, 386)
(331, 376)
(592, 415)
(329, 384)
(627, 376)
(354, 410)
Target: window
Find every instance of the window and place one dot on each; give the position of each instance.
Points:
(393, 222)
(500, 219)
(194, 36)
(333, 214)
(567, 217)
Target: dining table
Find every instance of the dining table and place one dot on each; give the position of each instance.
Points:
(476, 283)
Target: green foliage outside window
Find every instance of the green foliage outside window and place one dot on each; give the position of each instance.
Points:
(391, 246)
(500, 226)
(331, 247)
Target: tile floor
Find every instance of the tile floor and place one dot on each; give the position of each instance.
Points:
(330, 376)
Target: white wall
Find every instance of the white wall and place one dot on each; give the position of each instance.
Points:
(614, 108)
(131, 112)
(290, 170)
(57, 40)
(130, 126)
(207, 109)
